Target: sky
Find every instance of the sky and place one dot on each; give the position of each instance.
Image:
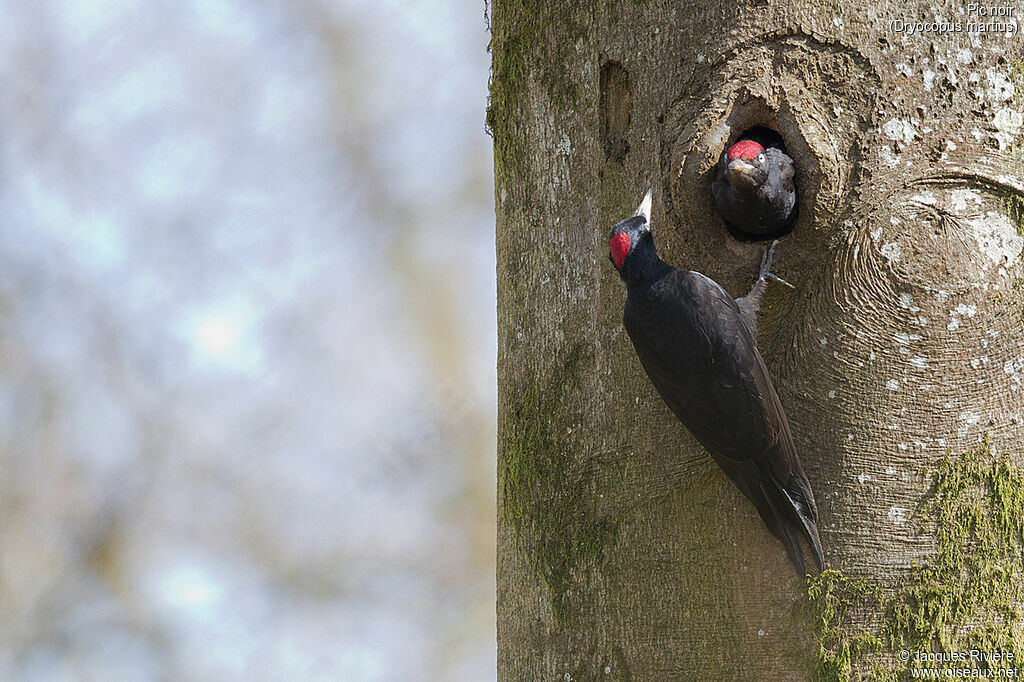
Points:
(247, 341)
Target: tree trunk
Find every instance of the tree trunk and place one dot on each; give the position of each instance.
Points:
(624, 553)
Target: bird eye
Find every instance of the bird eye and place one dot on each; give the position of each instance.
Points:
(760, 157)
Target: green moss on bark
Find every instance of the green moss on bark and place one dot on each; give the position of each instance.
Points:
(834, 600)
(546, 487)
(968, 596)
(511, 48)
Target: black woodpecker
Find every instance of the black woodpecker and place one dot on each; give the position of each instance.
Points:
(754, 189)
(698, 346)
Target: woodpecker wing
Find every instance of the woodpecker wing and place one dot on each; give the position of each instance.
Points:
(693, 343)
(698, 351)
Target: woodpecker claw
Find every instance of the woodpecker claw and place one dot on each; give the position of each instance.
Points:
(766, 259)
(766, 264)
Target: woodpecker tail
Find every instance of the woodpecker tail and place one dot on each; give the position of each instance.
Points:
(809, 523)
(788, 519)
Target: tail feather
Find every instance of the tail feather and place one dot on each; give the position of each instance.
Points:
(786, 515)
(783, 513)
(786, 520)
(807, 522)
(775, 518)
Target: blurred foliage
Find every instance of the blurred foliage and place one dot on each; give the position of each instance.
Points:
(246, 342)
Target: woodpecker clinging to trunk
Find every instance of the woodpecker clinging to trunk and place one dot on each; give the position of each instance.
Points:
(698, 346)
(754, 189)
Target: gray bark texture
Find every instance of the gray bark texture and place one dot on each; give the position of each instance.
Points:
(623, 551)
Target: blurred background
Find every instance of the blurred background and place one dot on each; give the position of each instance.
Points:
(247, 341)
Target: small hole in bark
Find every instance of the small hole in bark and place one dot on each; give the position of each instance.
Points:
(616, 111)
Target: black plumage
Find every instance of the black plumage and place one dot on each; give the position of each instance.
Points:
(754, 189)
(697, 345)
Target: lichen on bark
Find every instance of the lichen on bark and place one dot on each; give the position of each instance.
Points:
(969, 596)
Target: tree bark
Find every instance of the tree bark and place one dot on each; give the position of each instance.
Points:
(623, 552)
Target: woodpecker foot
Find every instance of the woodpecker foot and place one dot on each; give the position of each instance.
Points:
(766, 264)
